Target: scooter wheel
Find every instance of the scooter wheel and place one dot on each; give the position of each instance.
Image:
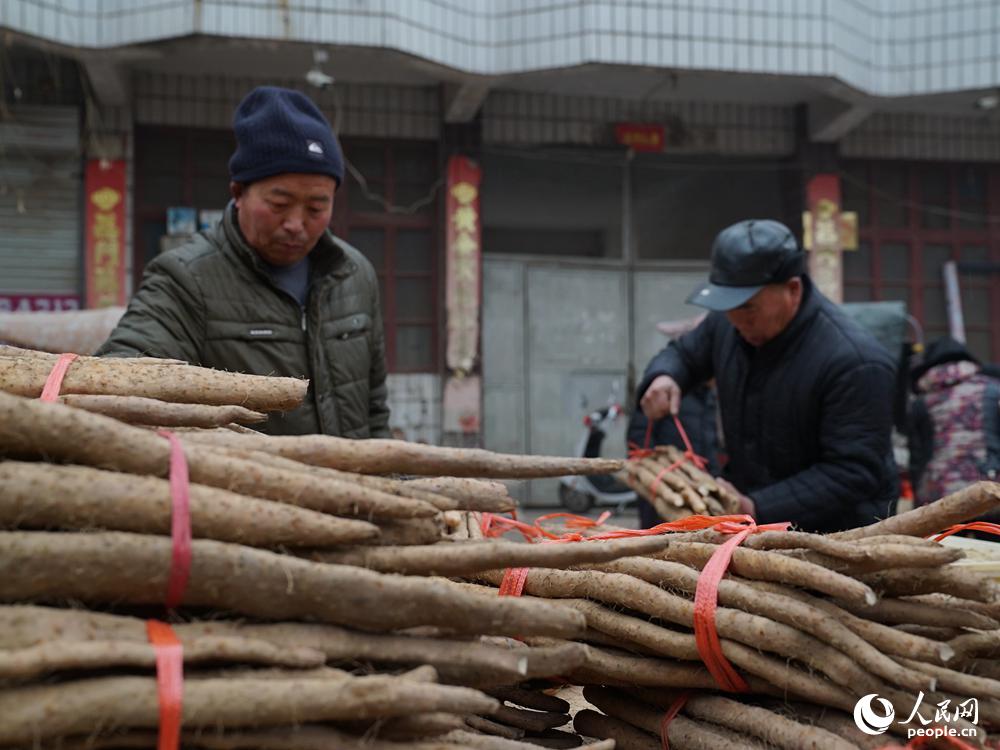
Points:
(574, 500)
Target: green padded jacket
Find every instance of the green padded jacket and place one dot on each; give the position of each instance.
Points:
(211, 303)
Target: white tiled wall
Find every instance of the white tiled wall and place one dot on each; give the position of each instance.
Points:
(415, 406)
(886, 47)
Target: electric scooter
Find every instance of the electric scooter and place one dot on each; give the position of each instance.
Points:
(579, 494)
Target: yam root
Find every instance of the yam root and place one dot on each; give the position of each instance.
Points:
(486, 726)
(775, 730)
(540, 662)
(381, 456)
(885, 638)
(903, 611)
(958, 507)
(626, 736)
(382, 484)
(780, 609)
(31, 428)
(407, 727)
(888, 557)
(185, 384)
(139, 410)
(464, 558)
(77, 707)
(120, 567)
(461, 488)
(410, 531)
(752, 630)
(529, 720)
(32, 662)
(535, 699)
(947, 579)
(682, 732)
(47, 496)
(771, 566)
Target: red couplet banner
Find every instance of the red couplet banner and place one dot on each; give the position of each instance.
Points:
(463, 264)
(104, 262)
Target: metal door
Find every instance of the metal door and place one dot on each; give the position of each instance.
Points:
(40, 185)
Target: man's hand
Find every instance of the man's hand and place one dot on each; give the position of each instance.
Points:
(746, 504)
(663, 397)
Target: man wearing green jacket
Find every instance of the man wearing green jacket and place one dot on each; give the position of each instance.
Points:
(269, 290)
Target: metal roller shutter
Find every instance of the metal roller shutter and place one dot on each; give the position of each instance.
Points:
(40, 183)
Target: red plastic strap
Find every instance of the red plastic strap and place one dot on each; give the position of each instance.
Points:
(513, 581)
(659, 475)
(574, 521)
(669, 716)
(53, 383)
(706, 593)
(984, 526)
(636, 453)
(706, 599)
(496, 526)
(169, 682)
(493, 526)
(180, 522)
(688, 449)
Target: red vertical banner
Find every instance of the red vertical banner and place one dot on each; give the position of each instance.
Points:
(463, 300)
(827, 232)
(104, 258)
(463, 265)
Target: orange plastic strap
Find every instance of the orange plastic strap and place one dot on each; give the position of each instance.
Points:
(53, 383)
(180, 522)
(498, 526)
(706, 599)
(706, 594)
(513, 581)
(636, 452)
(688, 449)
(669, 716)
(984, 526)
(659, 475)
(574, 521)
(169, 682)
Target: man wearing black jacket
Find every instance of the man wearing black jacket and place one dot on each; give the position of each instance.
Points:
(805, 393)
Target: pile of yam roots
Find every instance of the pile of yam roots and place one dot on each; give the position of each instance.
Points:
(676, 486)
(341, 594)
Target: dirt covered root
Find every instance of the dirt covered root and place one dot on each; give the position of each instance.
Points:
(118, 567)
(40, 712)
(46, 496)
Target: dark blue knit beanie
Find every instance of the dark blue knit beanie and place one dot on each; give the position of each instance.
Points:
(280, 131)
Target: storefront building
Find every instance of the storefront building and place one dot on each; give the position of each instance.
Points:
(612, 141)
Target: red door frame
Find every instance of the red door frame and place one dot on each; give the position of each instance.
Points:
(347, 218)
(916, 238)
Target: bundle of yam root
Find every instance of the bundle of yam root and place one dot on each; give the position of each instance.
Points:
(332, 603)
(675, 486)
(288, 641)
(811, 623)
